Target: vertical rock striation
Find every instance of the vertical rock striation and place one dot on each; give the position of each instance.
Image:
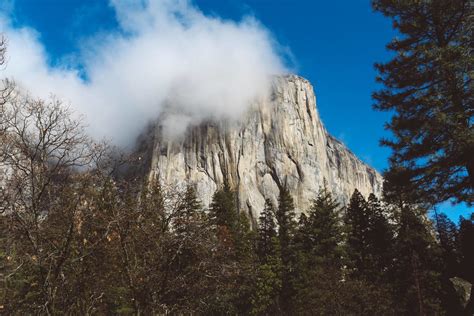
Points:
(280, 142)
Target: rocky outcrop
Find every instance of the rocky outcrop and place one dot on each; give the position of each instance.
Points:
(280, 142)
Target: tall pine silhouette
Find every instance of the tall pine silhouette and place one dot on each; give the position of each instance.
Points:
(428, 88)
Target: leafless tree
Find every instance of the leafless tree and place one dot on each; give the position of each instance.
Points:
(6, 86)
(46, 158)
(42, 142)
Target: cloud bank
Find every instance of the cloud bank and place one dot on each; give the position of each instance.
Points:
(167, 54)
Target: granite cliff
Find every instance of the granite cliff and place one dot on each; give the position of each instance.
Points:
(279, 142)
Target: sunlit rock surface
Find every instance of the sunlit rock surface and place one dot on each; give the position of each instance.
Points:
(281, 141)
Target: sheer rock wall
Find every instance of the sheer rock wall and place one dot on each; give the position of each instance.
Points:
(281, 141)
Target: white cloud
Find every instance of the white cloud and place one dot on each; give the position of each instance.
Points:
(167, 54)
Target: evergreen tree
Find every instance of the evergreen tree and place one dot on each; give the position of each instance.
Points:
(185, 223)
(318, 243)
(265, 300)
(358, 229)
(187, 213)
(419, 272)
(381, 236)
(447, 234)
(266, 233)
(236, 242)
(223, 209)
(369, 237)
(190, 204)
(285, 217)
(322, 289)
(303, 246)
(319, 237)
(428, 87)
(415, 273)
(324, 228)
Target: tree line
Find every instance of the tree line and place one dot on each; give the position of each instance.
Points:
(75, 238)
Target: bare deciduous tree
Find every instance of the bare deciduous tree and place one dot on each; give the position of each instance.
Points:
(45, 155)
(41, 144)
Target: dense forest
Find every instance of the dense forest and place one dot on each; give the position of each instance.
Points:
(79, 238)
(81, 234)
(76, 239)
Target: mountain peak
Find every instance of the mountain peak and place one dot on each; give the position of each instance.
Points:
(278, 142)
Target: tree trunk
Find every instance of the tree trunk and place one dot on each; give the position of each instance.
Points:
(417, 284)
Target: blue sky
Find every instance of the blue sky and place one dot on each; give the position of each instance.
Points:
(334, 44)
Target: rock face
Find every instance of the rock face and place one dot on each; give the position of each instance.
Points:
(280, 142)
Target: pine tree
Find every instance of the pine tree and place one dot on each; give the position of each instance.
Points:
(325, 229)
(236, 242)
(191, 203)
(285, 217)
(357, 229)
(447, 234)
(322, 288)
(186, 223)
(428, 87)
(415, 273)
(381, 237)
(369, 238)
(303, 243)
(266, 232)
(223, 209)
(152, 205)
(320, 261)
(269, 280)
(187, 213)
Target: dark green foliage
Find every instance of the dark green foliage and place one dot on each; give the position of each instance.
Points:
(369, 238)
(223, 209)
(267, 234)
(319, 257)
(236, 244)
(323, 286)
(285, 217)
(324, 231)
(140, 249)
(269, 276)
(428, 87)
(381, 235)
(232, 227)
(265, 300)
(415, 271)
(136, 248)
(358, 227)
(190, 204)
(447, 235)
(466, 243)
